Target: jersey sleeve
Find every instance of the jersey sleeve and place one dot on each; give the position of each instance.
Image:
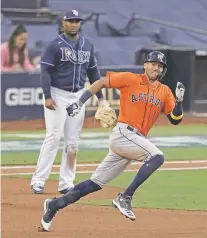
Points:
(118, 80)
(49, 55)
(169, 102)
(93, 62)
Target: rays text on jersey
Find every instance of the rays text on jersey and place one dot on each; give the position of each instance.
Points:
(71, 55)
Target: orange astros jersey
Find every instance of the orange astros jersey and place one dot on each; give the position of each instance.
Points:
(140, 102)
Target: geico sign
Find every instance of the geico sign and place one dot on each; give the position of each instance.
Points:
(23, 96)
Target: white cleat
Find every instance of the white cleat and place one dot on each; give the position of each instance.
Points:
(123, 203)
(37, 188)
(45, 226)
(49, 213)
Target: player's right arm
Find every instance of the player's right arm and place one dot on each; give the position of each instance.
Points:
(112, 80)
(48, 62)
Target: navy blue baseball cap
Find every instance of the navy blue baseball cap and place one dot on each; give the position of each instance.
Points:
(72, 14)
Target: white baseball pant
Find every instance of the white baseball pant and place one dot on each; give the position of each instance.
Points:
(57, 123)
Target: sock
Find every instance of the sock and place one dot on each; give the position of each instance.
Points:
(144, 172)
(80, 190)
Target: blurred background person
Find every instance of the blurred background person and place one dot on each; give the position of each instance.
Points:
(60, 25)
(14, 52)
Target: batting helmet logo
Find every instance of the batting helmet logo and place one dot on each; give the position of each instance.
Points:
(160, 56)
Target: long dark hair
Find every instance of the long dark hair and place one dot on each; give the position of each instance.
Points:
(17, 31)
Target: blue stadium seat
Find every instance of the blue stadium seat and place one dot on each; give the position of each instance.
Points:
(117, 33)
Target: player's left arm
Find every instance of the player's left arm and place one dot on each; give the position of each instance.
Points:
(175, 108)
(176, 115)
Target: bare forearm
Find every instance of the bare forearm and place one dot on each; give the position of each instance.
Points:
(95, 87)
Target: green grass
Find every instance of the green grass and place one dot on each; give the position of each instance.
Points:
(91, 156)
(163, 190)
(170, 190)
(100, 129)
(9, 135)
(156, 131)
(180, 130)
(29, 158)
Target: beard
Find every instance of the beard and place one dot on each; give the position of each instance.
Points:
(153, 77)
(73, 33)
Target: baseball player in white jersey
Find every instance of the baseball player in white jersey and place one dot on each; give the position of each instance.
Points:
(65, 64)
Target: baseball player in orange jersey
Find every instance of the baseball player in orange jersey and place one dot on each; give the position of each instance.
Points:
(142, 98)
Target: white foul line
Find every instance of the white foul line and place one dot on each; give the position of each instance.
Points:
(96, 164)
(128, 170)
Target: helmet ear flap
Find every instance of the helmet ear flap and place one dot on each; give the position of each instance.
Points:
(163, 73)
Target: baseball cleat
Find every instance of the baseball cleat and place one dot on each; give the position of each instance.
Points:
(49, 214)
(37, 188)
(123, 203)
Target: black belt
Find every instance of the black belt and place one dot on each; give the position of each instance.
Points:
(75, 90)
(130, 128)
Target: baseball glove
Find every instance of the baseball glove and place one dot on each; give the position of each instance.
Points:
(106, 115)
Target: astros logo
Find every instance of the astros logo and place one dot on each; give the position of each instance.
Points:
(160, 57)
